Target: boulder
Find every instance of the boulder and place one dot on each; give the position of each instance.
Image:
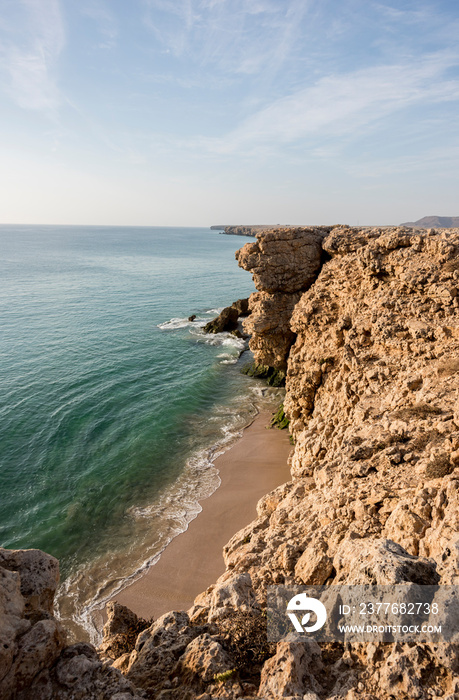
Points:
(225, 321)
(203, 659)
(292, 670)
(120, 631)
(39, 576)
(381, 562)
(233, 594)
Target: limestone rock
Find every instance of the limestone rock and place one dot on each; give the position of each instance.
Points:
(241, 306)
(227, 320)
(291, 672)
(12, 624)
(372, 396)
(158, 649)
(34, 662)
(39, 576)
(381, 562)
(37, 651)
(314, 566)
(235, 593)
(283, 260)
(80, 675)
(269, 327)
(204, 658)
(120, 631)
(30, 638)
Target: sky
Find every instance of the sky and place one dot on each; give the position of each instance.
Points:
(201, 112)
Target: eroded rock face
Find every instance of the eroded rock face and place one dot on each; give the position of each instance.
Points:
(38, 575)
(291, 671)
(284, 262)
(120, 631)
(30, 638)
(35, 663)
(269, 327)
(372, 390)
(381, 562)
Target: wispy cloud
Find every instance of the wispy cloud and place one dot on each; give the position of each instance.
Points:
(99, 11)
(29, 50)
(343, 105)
(234, 36)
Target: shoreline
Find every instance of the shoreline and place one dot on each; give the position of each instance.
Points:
(193, 560)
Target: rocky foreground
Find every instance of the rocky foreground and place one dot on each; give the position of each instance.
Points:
(365, 323)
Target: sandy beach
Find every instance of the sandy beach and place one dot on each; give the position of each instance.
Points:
(252, 467)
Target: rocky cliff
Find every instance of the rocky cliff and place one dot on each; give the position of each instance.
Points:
(366, 323)
(284, 263)
(250, 230)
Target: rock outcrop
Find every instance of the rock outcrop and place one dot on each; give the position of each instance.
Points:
(372, 394)
(284, 263)
(250, 230)
(35, 663)
(227, 319)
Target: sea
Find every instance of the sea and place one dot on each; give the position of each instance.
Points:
(113, 405)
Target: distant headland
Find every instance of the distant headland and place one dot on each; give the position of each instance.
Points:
(434, 222)
(246, 230)
(252, 230)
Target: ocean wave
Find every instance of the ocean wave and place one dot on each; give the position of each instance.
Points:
(175, 324)
(220, 339)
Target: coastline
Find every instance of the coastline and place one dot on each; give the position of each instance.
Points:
(253, 466)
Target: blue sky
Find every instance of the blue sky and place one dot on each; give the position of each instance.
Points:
(197, 112)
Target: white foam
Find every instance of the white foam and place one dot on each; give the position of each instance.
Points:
(174, 324)
(177, 323)
(238, 343)
(227, 358)
(220, 339)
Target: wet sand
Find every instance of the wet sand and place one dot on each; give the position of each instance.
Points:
(252, 467)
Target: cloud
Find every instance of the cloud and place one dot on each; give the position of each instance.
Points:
(343, 105)
(234, 36)
(107, 23)
(30, 52)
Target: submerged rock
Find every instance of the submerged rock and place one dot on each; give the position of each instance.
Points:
(274, 377)
(227, 320)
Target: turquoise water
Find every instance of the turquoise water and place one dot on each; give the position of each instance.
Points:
(113, 405)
